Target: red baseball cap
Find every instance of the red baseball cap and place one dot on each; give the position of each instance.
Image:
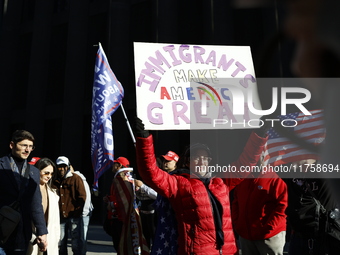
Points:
(123, 161)
(34, 160)
(171, 156)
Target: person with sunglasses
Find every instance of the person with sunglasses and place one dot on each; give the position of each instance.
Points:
(50, 202)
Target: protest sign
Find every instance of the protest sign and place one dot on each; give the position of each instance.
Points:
(185, 87)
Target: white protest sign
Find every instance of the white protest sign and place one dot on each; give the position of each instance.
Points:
(183, 87)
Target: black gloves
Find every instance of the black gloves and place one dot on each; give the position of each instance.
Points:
(138, 128)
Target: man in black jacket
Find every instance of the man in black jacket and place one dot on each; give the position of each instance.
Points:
(20, 182)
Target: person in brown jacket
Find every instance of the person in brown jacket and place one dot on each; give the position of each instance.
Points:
(72, 195)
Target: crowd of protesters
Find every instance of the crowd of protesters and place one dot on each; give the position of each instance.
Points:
(264, 214)
(195, 215)
(51, 198)
(185, 214)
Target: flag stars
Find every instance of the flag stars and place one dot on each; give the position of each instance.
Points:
(158, 203)
(173, 231)
(166, 240)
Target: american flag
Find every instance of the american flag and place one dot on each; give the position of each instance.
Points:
(132, 241)
(165, 241)
(281, 150)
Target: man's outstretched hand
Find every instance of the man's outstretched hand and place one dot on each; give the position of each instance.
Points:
(138, 128)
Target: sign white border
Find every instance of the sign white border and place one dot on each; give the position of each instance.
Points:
(170, 79)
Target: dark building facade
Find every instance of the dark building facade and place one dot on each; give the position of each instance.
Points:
(47, 60)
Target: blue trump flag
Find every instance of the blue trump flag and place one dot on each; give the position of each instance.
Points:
(107, 97)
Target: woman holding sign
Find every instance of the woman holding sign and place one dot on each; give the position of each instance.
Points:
(201, 204)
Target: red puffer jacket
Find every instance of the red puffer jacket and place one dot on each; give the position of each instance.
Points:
(190, 200)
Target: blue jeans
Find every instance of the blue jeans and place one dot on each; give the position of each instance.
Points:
(2, 252)
(86, 222)
(75, 227)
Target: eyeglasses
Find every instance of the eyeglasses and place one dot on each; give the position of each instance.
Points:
(47, 173)
(203, 158)
(27, 146)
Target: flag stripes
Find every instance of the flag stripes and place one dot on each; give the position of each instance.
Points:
(281, 150)
(132, 241)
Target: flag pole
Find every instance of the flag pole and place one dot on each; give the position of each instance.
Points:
(128, 125)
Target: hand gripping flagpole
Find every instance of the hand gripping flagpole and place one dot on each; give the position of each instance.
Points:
(128, 125)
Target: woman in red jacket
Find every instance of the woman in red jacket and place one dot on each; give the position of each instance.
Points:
(201, 205)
